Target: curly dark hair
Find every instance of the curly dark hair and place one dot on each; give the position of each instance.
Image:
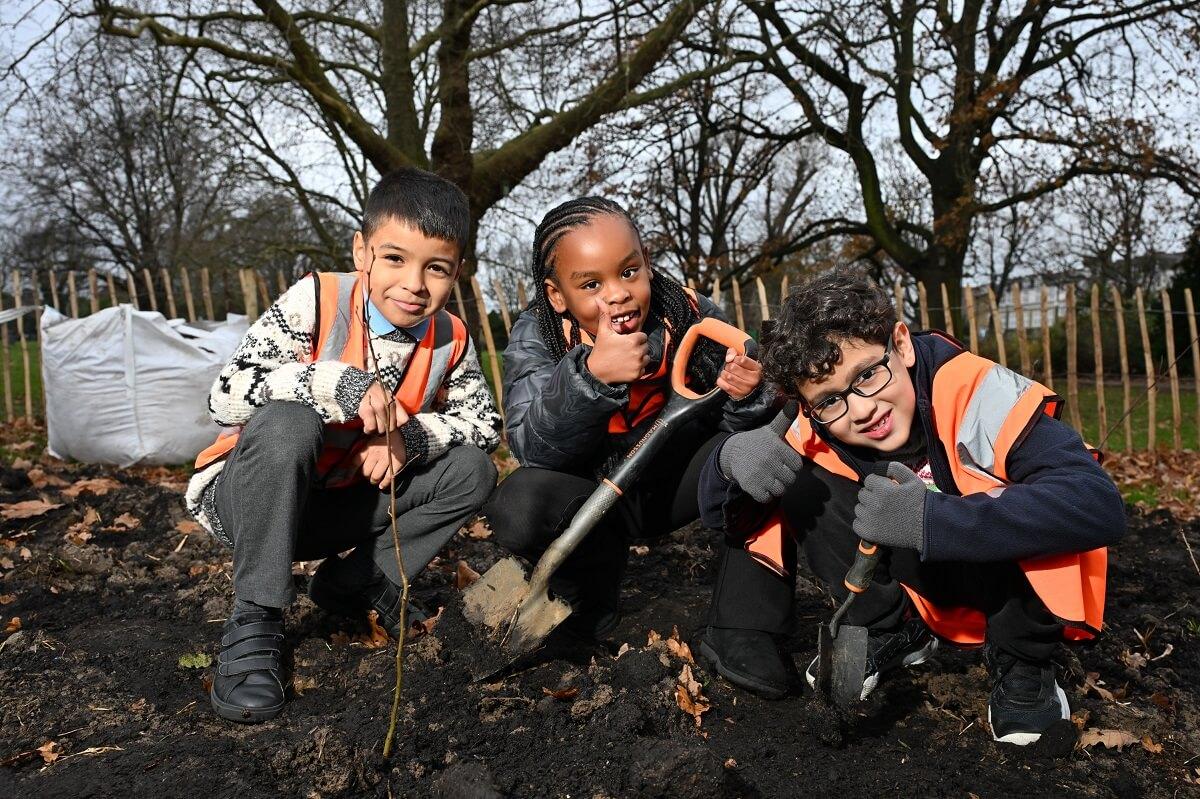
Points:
(804, 342)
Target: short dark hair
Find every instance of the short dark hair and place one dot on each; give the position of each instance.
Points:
(804, 342)
(428, 202)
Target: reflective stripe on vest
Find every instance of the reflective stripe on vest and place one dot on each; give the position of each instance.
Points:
(341, 337)
(982, 411)
(648, 393)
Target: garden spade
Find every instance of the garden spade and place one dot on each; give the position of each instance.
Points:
(842, 648)
(515, 614)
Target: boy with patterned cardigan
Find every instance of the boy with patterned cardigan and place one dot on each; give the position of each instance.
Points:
(348, 383)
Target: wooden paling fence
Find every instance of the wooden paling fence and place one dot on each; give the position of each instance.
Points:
(1020, 334)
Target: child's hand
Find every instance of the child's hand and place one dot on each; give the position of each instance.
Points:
(379, 411)
(378, 464)
(740, 375)
(615, 357)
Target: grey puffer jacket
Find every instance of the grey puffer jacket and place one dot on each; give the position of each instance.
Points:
(557, 413)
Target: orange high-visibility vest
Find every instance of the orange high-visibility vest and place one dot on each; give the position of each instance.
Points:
(648, 393)
(342, 336)
(981, 411)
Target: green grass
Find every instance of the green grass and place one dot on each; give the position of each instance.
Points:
(16, 368)
(1164, 422)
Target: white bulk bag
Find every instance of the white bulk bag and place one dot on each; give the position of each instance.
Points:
(125, 386)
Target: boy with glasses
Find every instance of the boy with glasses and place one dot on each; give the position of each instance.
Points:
(993, 515)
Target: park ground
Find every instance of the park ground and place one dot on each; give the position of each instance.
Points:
(111, 601)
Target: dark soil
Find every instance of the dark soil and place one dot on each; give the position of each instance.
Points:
(95, 669)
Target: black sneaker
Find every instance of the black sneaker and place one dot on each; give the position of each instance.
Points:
(354, 585)
(1026, 699)
(249, 684)
(749, 659)
(908, 646)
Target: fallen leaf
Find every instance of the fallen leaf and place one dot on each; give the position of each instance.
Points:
(1080, 719)
(7, 599)
(1092, 682)
(1151, 747)
(13, 625)
(624, 648)
(24, 464)
(1134, 660)
(464, 575)
(479, 529)
(27, 509)
(653, 638)
(49, 752)
(302, 684)
(377, 638)
(189, 527)
(200, 660)
(125, 521)
(22, 446)
(138, 706)
(78, 534)
(1109, 739)
(425, 626)
(640, 550)
(688, 695)
(678, 648)
(1170, 648)
(96, 485)
(1163, 701)
(730, 763)
(40, 479)
(6, 563)
(25, 553)
(562, 693)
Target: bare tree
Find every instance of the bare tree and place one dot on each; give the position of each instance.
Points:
(1038, 94)
(480, 91)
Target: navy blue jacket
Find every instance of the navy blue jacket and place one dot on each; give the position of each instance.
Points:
(1060, 499)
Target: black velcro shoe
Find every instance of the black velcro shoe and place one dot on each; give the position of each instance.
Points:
(249, 684)
(910, 645)
(354, 585)
(749, 659)
(1026, 699)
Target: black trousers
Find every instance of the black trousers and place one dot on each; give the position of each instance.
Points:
(820, 511)
(532, 507)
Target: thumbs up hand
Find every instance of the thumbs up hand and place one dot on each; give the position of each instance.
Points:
(617, 357)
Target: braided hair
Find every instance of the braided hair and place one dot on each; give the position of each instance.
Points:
(669, 304)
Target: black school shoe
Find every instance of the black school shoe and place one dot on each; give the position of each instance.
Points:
(354, 585)
(249, 683)
(1026, 698)
(908, 646)
(749, 659)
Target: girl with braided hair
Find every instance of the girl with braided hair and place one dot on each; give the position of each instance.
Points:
(585, 373)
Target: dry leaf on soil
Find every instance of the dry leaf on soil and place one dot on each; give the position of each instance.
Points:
(124, 523)
(41, 480)
(1109, 739)
(1151, 747)
(188, 527)
(97, 485)
(7, 599)
(479, 529)
(653, 638)
(49, 752)
(27, 509)
(377, 638)
(689, 695)
(302, 684)
(425, 626)
(678, 648)
(13, 625)
(562, 693)
(464, 575)
(6, 563)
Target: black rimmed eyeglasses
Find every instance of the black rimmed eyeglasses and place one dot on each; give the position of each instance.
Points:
(867, 383)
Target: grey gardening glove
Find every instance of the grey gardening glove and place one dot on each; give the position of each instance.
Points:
(760, 461)
(891, 510)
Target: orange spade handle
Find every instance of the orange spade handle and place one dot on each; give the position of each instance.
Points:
(863, 568)
(714, 330)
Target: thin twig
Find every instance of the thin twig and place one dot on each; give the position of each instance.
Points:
(1192, 555)
(387, 433)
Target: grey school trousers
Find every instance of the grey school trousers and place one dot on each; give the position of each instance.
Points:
(270, 507)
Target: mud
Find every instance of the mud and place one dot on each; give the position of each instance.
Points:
(94, 700)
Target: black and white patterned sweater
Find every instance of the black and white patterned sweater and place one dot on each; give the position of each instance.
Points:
(271, 363)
